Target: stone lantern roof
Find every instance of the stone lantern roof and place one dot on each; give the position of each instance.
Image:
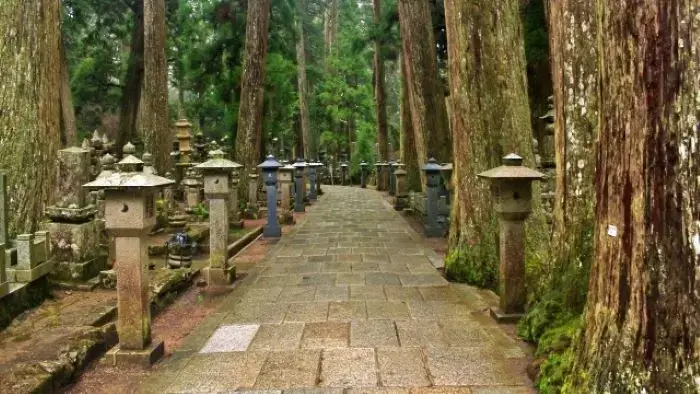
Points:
(270, 163)
(217, 163)
(512, 168)
(432, 166)
(129, 176)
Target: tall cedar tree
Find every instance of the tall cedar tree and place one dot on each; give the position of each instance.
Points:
(426, 94)
(131, 92)
(30, 113)
(491, 118)
(249, 135)
(643, 313)
(303, 84)
(379, 90)
(154, 119)
(408, 138)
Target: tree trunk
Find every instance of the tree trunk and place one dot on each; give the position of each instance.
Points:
(30, 113)
(131, 94)
(643, 313)
(426, 93)
(379, 91)
(408, 142)
(249, 135)
(574, 71)
(303, 85)
(154, 119)
(330, 28)
(491, 118)
(70, 131)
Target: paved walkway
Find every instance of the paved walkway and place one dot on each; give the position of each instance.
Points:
(348, 302)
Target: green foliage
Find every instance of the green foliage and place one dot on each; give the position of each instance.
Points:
(555, 344)
(474, 263)
(201, 212)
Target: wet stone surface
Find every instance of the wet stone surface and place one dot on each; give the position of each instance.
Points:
(349, 302)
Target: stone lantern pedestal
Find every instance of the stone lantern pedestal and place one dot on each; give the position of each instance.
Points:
(217, 172)
(363, 175)
(343, 173)
(299, 167)
(269, 170)
(391, 167)
(511, 186)
(130, 214)
(379, 168)
(286, 176)
(311, 172)
(401, 194)
(432, 172)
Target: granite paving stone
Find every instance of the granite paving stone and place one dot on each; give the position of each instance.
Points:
(393, 310)
(286, 336)
(234, 338)
(297, 368)
(332, 293)
(470, 366)
(402, 367)
(297, 294)
(347, 311)
(367, 293)
(307, 312)
(326, 335)
(348, 368)
(373, 333)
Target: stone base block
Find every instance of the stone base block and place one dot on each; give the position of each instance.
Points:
(140, 358)
(30, 275)
(78, 271)
(4, 289)
(400, 203)
(272, 231)
(505, 318)
(219, 276)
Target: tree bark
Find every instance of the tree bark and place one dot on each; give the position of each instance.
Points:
(643, 313)
(303, 85)
(379, 90)
(426, 93)
(154, 119)
(249, 135)
(30, 113)
(131, 94)
(70, 131)
(491, 118)
(408, 143)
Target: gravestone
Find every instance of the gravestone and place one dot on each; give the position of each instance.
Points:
(74, 236)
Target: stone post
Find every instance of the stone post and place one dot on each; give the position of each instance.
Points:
(511, 185)
(217, 173)
(363, 175)
(299, 205)
(253, 189)
(392, 180)
(379, 171)
(343, 173)
(311, 169)
(286, 174)
(319, 178)
(130, 198)
(401, 195)
(269, 170)
(233, 197)
(191, 190)
(432, 172)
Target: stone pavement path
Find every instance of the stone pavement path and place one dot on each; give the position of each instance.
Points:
(347, 302)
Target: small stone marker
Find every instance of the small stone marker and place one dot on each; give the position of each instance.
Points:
(217, 173)
(299, 186)
(511, 185)
(343, 173)
(253, 189)
(286, 175)
(269, 170)
(392, 180)
(401, 195)
(432, 172)
(130, 199)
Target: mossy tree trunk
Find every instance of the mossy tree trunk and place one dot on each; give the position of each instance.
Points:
(69, 130)
(491, 118)
(426, 93)
(408, 143)
(330, 28)
(303, 84)
(154, 118)
(643, 312)
(131, 93)
(379, 90)
(249, 134)
(30, 112)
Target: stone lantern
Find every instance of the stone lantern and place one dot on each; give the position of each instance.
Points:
(391, 167)
(286, 176)
(363, 174)
(401, 195)
(379, 167)
(130, 214)
(311, 171)
(299, 166)
(184, 137)
(511, 187)
(432, 172)
(269, 170)
(343, 173)
(217, 174)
